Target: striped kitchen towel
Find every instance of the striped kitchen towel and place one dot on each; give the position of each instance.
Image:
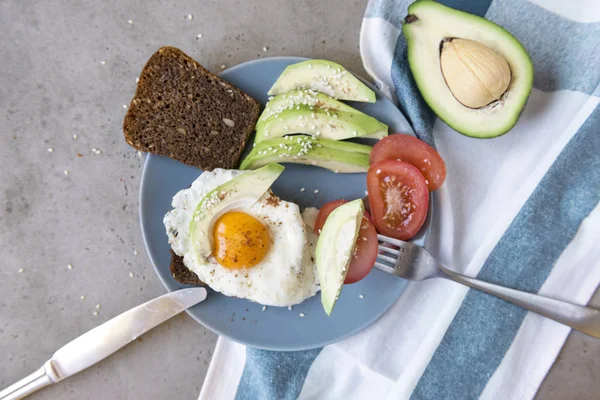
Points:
(520, 210)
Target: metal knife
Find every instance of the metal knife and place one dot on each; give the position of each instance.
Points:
(102, 341)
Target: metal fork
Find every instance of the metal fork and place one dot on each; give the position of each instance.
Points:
(413, 262)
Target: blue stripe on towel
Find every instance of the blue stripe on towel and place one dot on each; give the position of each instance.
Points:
(394, 11)
(485, 326)
(274, 375)
(565, 53)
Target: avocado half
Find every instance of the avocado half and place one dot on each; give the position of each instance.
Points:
(460, 62)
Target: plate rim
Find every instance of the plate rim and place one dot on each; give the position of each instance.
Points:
(168, 284)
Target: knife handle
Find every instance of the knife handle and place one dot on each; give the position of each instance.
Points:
(27, 385)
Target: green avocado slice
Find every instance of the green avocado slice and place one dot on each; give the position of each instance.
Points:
(342, 157)
(427, 28)
(320, 122)
(325, 77)
(335, 248)
(300, 97)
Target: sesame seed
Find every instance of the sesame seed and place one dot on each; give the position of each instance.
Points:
(124, 105)
(97, 306)
(137, 80)
(378, 171)
(264, 308)
(337, 171)
(354, 133)
(21, 270)
(95, 313)
(69, 266)
(309, 65)
(302, 315)
(316, 191)
(223, 66)
(82, 297)
(130, 21)
(50, 149)
(66, 172)
(199, 36)
(102, 62)
(366, 192)
(131, 274)
(265, 48)
(289, 308)
(139, 153)
(302, 189)
(74, 136)
(190, 16)
(135, 253)
(361, 296)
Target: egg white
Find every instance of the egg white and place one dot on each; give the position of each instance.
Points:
(287, 274)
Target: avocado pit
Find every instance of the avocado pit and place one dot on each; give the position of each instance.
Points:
(476, 75)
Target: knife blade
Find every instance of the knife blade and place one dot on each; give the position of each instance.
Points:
(102, 341)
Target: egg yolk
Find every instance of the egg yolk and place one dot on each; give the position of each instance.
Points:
(241, 241)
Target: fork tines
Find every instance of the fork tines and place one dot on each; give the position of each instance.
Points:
(390, 253)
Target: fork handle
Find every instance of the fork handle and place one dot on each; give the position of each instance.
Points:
(583, 319)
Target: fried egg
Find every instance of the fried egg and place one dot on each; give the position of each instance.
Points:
(264, 252)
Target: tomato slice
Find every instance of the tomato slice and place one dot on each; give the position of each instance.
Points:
(398, 197)
(409, 149)
(324, 213)
(365, 252)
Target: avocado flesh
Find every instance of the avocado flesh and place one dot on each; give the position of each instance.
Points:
(300, 97)
(244, 190)
(342, 157)
(426, 27)
(325, 123)
(335, 248)
(325, 77)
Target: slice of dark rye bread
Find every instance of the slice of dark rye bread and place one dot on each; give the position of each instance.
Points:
(181, 273)
(182, 111)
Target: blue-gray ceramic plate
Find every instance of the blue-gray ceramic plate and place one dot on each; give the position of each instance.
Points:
(241, 320)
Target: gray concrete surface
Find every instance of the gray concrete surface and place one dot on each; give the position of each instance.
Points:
(53, 85)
